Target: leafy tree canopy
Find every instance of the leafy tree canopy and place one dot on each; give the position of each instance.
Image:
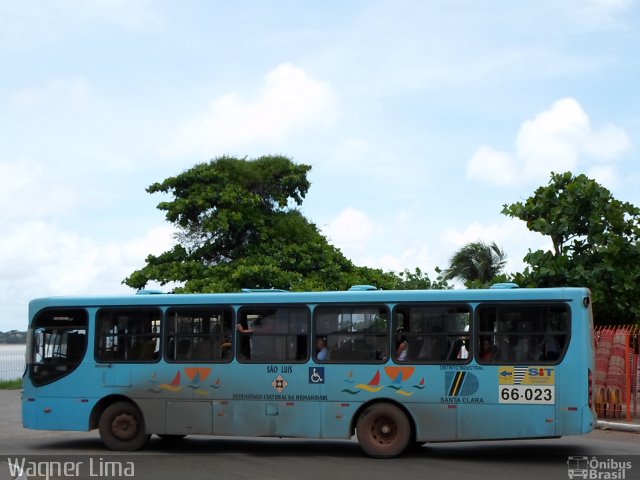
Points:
(595, 244)
(239, 228)
(418, 280)
(476, 264)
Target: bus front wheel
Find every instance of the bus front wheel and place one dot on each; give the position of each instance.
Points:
(383, 430)
(121, 427)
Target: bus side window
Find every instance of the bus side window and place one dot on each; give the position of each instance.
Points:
(434, 333)
(356, 334)
(76, 344)
(273, 334)
(455, 349)
(524, 333)
(202, 350)
(128, 334)
(196, 334)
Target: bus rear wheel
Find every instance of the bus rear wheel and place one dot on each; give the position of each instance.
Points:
(121, 427)
(383, 431)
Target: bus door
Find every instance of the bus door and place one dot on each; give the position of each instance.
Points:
(271, 390)
(199, 354)
(436, 340)
(518, 347)
(508, 402)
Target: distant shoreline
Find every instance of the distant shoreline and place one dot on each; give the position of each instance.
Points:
(13, 337)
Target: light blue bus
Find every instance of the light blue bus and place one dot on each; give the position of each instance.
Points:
(394, 368)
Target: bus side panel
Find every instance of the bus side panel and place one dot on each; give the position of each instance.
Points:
(336, 418)
(574, 415)
(189, 417)
(434, 422)
(29, 412)
(575, 420)
(506, 421)
(266, 418)
(55, 407)
(56, 413)
(588, 420)
(154, 412)
(266, 400)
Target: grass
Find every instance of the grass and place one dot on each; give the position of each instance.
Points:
(10, 384)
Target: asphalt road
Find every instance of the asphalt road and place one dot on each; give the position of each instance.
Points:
(249, 458)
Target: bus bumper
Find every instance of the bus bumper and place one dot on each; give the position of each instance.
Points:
(588, 420)
(56, 413)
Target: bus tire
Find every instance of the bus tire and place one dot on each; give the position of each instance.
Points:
(383, 430)
(121, 427)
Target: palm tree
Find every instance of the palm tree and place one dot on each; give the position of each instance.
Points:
(476, 261)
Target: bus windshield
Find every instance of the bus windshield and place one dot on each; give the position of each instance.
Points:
(58, 341)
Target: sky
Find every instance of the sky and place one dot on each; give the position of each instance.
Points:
(420, 119)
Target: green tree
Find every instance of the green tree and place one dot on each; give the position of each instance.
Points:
(238, 227)
(476, 264)
(595, 244)
(418, 280)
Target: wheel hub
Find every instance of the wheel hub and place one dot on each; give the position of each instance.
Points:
(124, 426)
(384, 430)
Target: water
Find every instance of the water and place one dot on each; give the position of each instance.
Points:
(12, 361)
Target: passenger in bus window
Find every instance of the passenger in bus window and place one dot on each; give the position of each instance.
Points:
(321, 348)
(524, 349)
(550, 347)
(244, 341)
(435, 346)
(487, 352)
(402, 350)
(225, 348)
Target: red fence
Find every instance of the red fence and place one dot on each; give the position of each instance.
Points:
(616, 394)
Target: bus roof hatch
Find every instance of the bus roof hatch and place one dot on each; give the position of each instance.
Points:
(362, 288)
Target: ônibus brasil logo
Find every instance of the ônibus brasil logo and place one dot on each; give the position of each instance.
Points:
(593, 468)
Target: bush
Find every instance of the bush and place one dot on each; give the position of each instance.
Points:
(10, 384)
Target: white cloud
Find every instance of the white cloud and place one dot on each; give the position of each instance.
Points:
(411, 257)
(289, 101)
(377, 244)
(559, 139)
(68, 92)
(609, 5)
(49, 21)
(601, 12)
(607, 143)
(605, 175)
(510, 235)
(29, 190)
(490, 166)
(59, 261)
(507, 230)
(350, 231)
(352, 154)
(43, 259)
(138, 16)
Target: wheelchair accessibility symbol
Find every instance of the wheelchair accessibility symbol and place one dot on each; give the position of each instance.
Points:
(316, 374)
